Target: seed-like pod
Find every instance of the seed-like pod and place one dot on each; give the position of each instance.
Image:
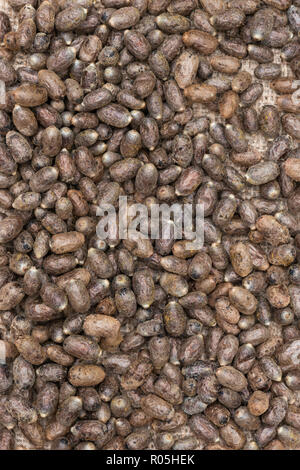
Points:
(129, 100)
(87, 137)
(272, 230)
(96, 99)
(170, 44)
(52, 372)
(125, 169)
(201, 93)
(146, 179)
(8, 164)
(231, 378)
(6, 439)
(70, 18)
(262, 24)
(25, 121)
(43, 179)
(35, 433)
(173, 96)
(278, 296)
(114, 115)
(227, 311)
(52, 82)
(174, 265)
(291, 168)
(61, 59)
(53, 224)
(78, 296)
(262, 173)
(293, 16)
(30, 95)
(69, 411)
(204, 428)
(25, 34)
(284, 255)
(255, 335)
(137, 44)
(182, 150)
(224, 211)
(19, 147)
(130, 144)
(251, 94)
(101, 326)
(228, 104)
(7, 73)
(47, 400)
(186, 68)
(291, 125)
(86, 375)
(172, 23)
(236, 138)
(144, 84)
(225, 64)
(233, 436)
(143, 287)
(271, 369)
(124, 18)
(92, 430)
(159, 65)
(229, 19)
(269, 121)
(11, 294)
(149, 133)
(218, 414)
(258, 403)
(250, 120)
(200, 266)
(18, 407)
(66, 242)
(233, 47)
(79, 273)
(87, 163)
(245, 420)
(51, 141)
(173, 284)
(31, 350)
(241, 259)
(203, 42)
(287, 104)
(82, 347)
(227, 349)
(41, 244)
(276, 412)
(157, 407)
(7, 378)
(268, 71)
(56, 354)
(54, 297)
(100, 263)
(229, 398)
(10, 227)
(280, 4)
(241, 82)
(45, 17)
(243, 300)
(289, 436)
(260, 54)
(245, 357)
(90, 399)
(174, 319)
(159, 349)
